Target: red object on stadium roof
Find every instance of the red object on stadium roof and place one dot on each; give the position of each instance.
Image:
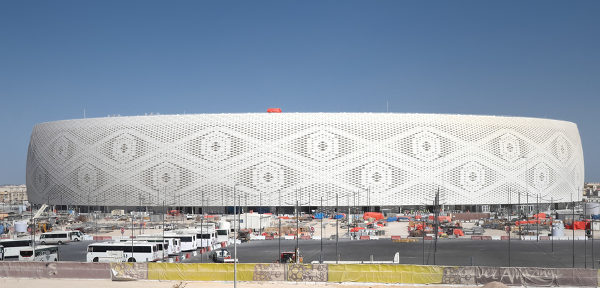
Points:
(273, 110)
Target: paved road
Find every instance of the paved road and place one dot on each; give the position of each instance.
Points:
(449, 252)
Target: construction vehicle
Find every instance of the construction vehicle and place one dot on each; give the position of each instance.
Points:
(290, 257)
(244, 235)
(174, 213)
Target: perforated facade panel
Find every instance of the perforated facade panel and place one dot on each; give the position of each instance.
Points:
(401, 159)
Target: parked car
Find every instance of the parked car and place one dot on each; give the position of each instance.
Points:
(221, 256)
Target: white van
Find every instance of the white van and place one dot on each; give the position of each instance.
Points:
(75, 235)
(58, 237)
(42, 253)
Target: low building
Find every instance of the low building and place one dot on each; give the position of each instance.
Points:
(13, 194)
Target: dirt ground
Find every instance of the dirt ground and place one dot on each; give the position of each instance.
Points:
(62, 283)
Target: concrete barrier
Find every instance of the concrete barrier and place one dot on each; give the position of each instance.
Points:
(128, 271)
(396, 237)
(102, 238)
(520, 276)
(486, 237)
(364, 237)
(15, 269)
(475, 237)
(375, 273)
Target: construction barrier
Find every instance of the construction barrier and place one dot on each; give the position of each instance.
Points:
(199, 272)
(385, 273)
(406, 240)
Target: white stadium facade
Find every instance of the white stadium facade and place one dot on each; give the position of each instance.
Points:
(375, 159)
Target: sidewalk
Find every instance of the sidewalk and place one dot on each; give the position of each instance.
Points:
(62, 283)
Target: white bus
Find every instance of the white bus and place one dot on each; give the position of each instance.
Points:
(57, 237)
(187, 241)
(43, 253)
(12, 247)
(160, 246)
(131, 252)
(203, 238)
(172, 246)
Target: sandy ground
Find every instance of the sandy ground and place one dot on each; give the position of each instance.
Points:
(329, 228)
(62, 283)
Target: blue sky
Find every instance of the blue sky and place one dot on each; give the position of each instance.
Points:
(522, 58)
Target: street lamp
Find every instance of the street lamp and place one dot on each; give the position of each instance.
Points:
(234, 237)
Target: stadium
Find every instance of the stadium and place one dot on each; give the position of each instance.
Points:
(273, 159)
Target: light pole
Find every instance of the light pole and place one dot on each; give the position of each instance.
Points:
(202, 229)
(322, 215)
(297, 250)
(279, 221)
(537, 197)
(337, 237)
(348, 216)
(585, 235)
(259, 215)
(573, 227)
(234, 238)
(508, 229)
